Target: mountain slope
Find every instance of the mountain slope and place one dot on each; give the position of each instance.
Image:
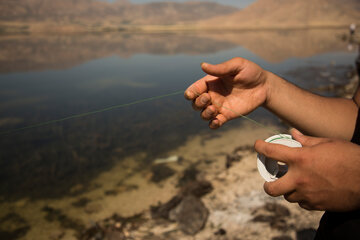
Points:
(72, 11)
(291, 13)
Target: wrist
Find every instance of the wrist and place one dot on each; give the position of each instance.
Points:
(270, 88)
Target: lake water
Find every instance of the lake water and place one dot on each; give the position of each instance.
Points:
(46, 77)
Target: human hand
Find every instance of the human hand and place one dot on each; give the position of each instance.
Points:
(230, 90)
(323, 175)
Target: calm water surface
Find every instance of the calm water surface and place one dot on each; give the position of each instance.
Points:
(50, 77)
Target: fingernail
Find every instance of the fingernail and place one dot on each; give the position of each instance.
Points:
(189, 94)
(214, 124)
(297, 132)
(203, 64)
(204, 100)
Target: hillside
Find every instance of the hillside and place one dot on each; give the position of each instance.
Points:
(290, 13)
(99, 12)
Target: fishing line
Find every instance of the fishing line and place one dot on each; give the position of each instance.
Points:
(90, 113)
(41, 124)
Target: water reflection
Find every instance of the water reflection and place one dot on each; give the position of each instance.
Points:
(43, 52)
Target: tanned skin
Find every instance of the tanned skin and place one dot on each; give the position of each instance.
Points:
(324, 173)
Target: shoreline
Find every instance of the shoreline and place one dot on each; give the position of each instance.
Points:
(40, 28)
(125, 192)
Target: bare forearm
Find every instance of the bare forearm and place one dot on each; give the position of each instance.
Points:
(312, 114)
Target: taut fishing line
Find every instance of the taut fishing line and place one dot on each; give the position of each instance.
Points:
(41, 124)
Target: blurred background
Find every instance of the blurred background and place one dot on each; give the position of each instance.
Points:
(65, 57)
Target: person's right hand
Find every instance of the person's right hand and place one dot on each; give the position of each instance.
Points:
(230, 90)
(323, 175)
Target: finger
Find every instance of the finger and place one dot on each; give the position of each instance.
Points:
(218, 121)
(228, 68)
(209, 113)
(280, 187)
(202, 101)
(307, 141)
(277, 152)
(198, 88)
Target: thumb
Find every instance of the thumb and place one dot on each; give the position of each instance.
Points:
(228, 68)
(282, 186)
(306, 141)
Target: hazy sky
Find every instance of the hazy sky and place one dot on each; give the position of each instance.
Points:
(237, 3)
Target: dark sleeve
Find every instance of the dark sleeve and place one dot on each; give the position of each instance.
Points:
(356, 136)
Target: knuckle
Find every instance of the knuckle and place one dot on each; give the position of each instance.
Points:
(205, 116)
(302, 159)
(238, 59)
(257, 145)
(300, 182)
(268, 150)
(196, 107)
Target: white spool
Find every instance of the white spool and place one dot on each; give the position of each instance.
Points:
(270, 169)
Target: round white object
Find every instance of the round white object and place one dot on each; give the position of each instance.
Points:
(270, 169)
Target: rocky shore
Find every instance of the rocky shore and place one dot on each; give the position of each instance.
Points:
(218, 196)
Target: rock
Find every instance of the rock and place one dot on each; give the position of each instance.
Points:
(238, 154)
(279, 224)
(113, 228)
(197, 188)
(162, 210)
(220, 232)
(13, 226)
(93, 233)
(123, 223)
(93, 208)
(189, 175)
(191, 215)
(277, 209)
(160, 173)
(76, 189)
(81, 202)
(112, 234)
(230, 158)
(263, 218)
(56, 215)
(112, 192)
(274, 214)
(57, 235)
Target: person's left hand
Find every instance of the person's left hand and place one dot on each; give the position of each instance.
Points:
(323, 175)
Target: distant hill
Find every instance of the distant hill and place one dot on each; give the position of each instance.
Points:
(99, 12)
(290, 13)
